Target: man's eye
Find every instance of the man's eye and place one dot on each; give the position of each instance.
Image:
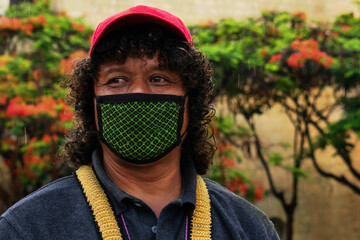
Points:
(158, 79)
(116, 80)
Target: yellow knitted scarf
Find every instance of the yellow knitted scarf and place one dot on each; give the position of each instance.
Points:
(105, 217)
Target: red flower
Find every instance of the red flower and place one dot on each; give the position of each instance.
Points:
(62, 13)
(263, 52)
(46, 138)
(68, 116)
(227, 161)
(7, 162)
(47, 106)
(243, 188)
(28, 173)
(222, 147)
(259, 193)
(335, 34)
(16, 108)
(305, 44)
(233, 184)
(29, 150)
(14, 24)
(345, 27)
(8, 143)
(307, 49)
(28, 28)
(55, 137)
(30, 110)
(67, 64)
(78, 27)
(19, 108)
(3, 100)
(300, 15)
(39, 20)
(32, 159)
(38, 74)
(326, 61)
(53, 128)
(275, 58)
(295, 60)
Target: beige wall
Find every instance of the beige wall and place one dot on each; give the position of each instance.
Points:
(326, 210)
(201, 11)
(3, 6)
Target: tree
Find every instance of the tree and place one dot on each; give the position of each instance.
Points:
(37, 46)
(279, 59)
(224, 169)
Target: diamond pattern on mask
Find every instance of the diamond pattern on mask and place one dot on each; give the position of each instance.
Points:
(140, 130)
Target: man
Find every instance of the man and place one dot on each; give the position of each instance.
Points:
(142, 110)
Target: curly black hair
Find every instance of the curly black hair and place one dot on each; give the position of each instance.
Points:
(175, 54)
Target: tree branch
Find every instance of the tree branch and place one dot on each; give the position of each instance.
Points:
(340, 179)
(279, 195)
(345, 156)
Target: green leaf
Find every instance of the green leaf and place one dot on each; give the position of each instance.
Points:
(276, 159)
(350, 73)
(272, 67)
(284, 84)
(285, 145)
(297, 171)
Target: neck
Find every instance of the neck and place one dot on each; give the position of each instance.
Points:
(156, 183)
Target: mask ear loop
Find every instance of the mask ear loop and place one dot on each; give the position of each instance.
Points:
(93, 133)
(186, 130)
(184, 133)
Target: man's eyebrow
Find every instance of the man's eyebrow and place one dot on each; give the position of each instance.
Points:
(120, 68)
(112, 69)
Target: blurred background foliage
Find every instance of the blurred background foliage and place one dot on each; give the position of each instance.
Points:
(310, 69)
(37, 46)
(279, 58)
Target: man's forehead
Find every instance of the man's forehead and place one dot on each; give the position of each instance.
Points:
(147, 62)
(152, 61)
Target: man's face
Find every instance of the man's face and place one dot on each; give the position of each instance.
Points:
(139, 76)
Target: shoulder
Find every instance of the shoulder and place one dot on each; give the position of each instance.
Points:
(56, 206)
(222, 197)
(238, 215)
(45, 197)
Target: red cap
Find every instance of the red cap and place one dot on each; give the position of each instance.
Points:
(137, 15)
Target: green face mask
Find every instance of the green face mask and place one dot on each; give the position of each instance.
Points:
(140, 128)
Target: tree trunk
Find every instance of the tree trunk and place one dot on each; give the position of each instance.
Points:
(289, 228)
